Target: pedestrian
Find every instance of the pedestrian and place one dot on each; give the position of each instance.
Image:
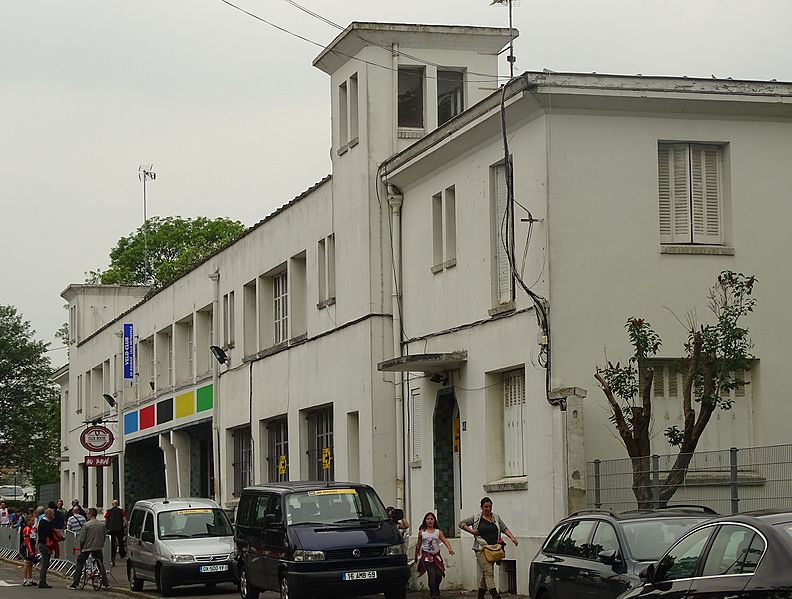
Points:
(427, 553)
(5, 515)
(91, 542)
(19, 519)
(76, 521)
(64, 514)
(397, 517)
(45, 538)
(486, 529)
(116, 522)
(27, 549)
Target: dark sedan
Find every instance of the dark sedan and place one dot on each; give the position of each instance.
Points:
(597, 554)
(744, 556)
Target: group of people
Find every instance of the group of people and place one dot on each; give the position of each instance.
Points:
(487, 529)
(42, 529)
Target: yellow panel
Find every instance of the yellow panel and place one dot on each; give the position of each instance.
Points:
(185, 404)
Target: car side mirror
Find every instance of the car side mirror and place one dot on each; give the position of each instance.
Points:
(147, 536)
(609, 557)
(648, 574)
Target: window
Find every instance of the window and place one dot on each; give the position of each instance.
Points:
(682, 560)
(450, 95)
(411, 97)
(278, 449)
(735, 550)
(148, 525)
(242, 459)
(444, 229)
(136, 523)
(280, 301)
(321, 460)
(576, 542)
(604, 539)
(343, 107)
(690, 189)
(513, 407)
(553, 544)
(72, 324)
(353, 110)
(326, 270)
(190, 350)
(79, 394)
(416, 425)
(502, 238)
(228, 319)
(249, 318)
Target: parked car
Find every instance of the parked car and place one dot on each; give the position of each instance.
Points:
(744, 556)
(597, 554)
(312, 539)
(179, 541)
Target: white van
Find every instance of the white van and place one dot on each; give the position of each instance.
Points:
(175, 542)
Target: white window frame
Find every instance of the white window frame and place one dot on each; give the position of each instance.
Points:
(280, 306)
(416, 427)
(503, 279)
(513, 418)
(690, 193)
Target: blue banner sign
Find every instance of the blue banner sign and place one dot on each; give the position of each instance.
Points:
(129, 353)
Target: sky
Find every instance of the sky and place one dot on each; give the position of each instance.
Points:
(235, 119)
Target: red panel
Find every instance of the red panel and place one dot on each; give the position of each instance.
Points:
(146, 417)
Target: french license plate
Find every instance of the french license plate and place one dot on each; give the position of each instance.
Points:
(360, 575)
(215, 568)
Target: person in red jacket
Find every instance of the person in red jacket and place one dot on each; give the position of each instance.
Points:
(28, 551)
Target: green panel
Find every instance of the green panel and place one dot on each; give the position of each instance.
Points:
(204, 398)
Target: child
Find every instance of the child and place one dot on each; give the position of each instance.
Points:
(28, 551)
(427, 553)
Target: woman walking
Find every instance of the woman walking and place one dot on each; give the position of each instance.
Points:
(486, 529)
(427, 553)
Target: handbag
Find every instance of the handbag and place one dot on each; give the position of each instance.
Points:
(493, 553)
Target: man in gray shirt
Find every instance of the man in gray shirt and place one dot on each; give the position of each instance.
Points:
(91, 540)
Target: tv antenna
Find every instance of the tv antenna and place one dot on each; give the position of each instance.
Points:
(510, 57)
(146, 173)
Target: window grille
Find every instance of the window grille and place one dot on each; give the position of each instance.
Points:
(280, 298)
(242, 459)
(278, 450)
(513, 408)
(321, 459)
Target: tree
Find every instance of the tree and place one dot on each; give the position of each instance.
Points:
(29, 402)
(716, 358)
(163, 249)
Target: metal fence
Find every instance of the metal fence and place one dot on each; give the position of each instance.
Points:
(729, 481)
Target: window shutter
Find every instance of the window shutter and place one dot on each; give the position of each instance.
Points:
(513, 402)
(416, 429)
(705, 193)
(503, 269)
(673, 185)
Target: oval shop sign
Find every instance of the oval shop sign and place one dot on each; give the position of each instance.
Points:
(97, 438)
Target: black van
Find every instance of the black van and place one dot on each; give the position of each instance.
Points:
(307, 539)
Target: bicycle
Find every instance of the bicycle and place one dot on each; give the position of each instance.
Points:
(91, 573)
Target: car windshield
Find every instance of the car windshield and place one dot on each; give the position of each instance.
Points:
(648, 539)
(334, 506)
(193, 523)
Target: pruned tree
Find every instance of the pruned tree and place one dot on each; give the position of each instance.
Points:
(716, 356)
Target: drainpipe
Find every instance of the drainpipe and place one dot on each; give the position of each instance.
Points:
(395, 199)
(395, 96)
(218, 488)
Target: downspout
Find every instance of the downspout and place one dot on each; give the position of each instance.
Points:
(395, 99)
(395, 200)
(215, 276)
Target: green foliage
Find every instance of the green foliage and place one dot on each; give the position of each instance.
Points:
(29, 402)
(163, 249)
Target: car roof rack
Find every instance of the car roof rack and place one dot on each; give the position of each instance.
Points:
(592, 511)
(677, 506)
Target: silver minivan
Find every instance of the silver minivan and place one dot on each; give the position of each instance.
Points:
(174, 542)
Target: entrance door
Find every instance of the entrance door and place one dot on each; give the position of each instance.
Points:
(446, 461)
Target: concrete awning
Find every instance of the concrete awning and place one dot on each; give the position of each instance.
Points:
(424, 362)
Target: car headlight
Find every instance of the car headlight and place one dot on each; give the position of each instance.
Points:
(308, 556)
(396, 550)
(182, 558)
(232, 556)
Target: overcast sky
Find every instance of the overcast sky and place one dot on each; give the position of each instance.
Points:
(235, 118)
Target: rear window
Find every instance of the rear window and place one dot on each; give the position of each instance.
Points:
(648, 539)
(334, 506)
(193, 523)
(786, 529)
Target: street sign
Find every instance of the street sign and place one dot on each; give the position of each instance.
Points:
(282, 464)
(129, 352)
(98, 461)
(97, 438)
(326, 457)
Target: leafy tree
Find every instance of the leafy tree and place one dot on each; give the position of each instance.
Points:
(716, 358)
(162, 249)
(29, 402)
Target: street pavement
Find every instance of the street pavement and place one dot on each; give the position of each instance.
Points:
(11, 588)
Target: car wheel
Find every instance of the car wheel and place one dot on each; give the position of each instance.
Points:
(246, 590)
(396, 594)
(164, 583)
(284, 586)
(135, 583)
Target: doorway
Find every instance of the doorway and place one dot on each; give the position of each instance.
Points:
(447, 470)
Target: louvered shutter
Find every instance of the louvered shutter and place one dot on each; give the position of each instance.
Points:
(416, 425)
(513, 402)
(503, 269)
(705, 193)
(673, 186)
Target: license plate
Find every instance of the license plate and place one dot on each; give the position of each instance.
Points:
(216, 568)
(360, 575)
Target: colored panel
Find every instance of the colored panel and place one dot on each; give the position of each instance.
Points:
(185, 404)
(205, 398)
(165, 411)
(131, 422)
(146, 417)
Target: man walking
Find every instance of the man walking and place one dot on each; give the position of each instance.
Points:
(5, 515)
(76, 521)
(91, 541)
(44, 534)
(115, 520)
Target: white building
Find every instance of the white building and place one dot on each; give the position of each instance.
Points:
(447, 386)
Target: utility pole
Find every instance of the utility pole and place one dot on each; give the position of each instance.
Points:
(146, 173)
(510, 58)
